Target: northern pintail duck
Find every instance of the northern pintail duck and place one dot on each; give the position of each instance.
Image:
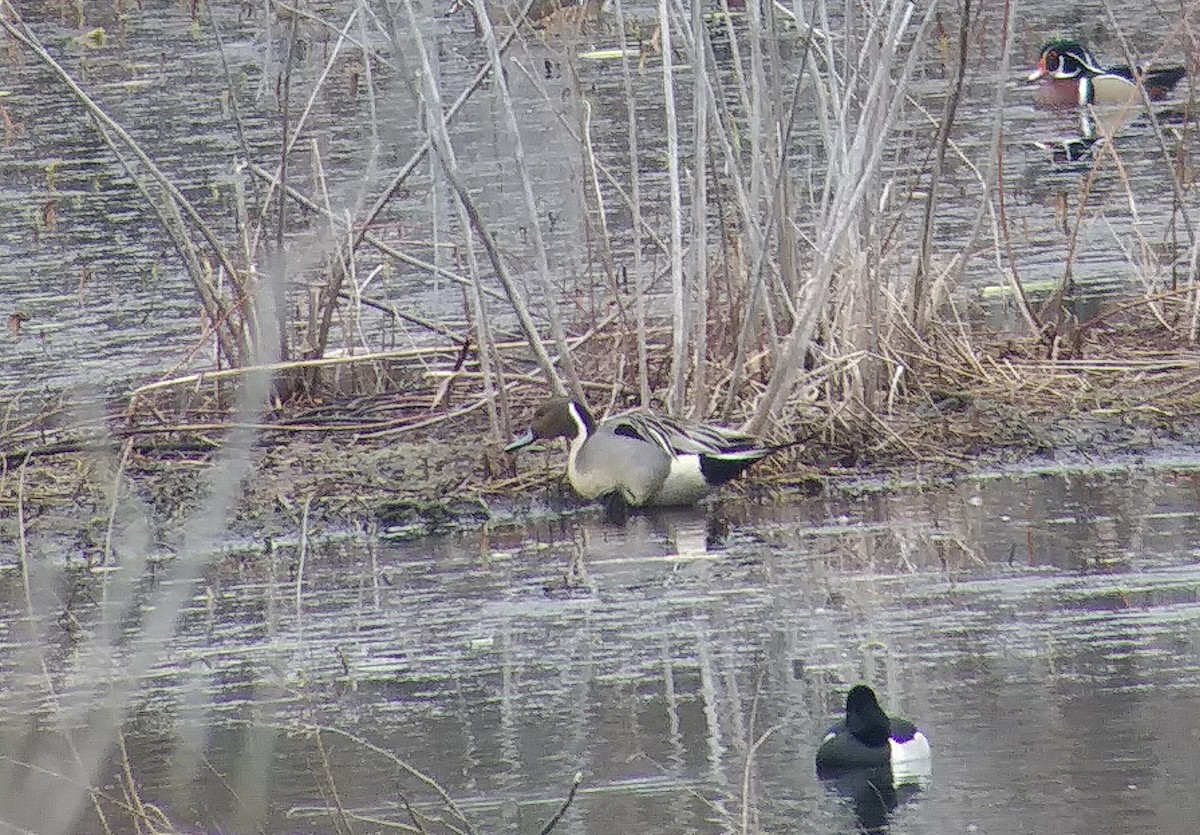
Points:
(868, 738)
(1070, 76)
(644, 458)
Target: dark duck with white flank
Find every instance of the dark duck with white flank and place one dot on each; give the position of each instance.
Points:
(869, 739)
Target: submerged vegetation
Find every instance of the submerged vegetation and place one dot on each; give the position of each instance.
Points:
(767, 244)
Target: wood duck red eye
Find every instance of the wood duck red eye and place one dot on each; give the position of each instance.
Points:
(1053, 61)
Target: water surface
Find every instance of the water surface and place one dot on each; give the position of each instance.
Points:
(108, 300)
(1043, 627)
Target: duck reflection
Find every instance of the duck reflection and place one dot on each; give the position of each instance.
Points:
(872, 792)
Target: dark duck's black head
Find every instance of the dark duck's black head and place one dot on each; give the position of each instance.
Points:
(865, 719)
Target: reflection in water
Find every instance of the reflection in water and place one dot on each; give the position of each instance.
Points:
(872, 793)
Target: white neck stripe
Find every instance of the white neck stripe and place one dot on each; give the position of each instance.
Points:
(581, 430)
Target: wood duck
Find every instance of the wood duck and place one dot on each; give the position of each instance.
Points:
(1070, 76)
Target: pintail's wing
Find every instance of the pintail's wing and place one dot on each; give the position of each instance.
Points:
(678, 438)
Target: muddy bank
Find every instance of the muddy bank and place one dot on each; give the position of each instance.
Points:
(452, 477)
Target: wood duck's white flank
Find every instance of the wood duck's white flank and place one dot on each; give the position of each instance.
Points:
(869, 738)
(647, 459)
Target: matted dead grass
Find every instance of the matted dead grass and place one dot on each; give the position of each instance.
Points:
(421, 449)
